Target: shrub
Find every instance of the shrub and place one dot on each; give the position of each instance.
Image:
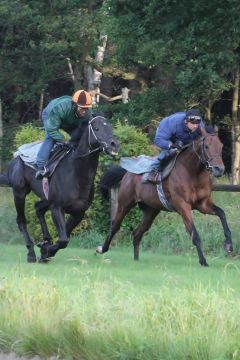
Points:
(133, 143)
(28, 133)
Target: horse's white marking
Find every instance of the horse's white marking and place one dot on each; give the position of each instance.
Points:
(99, 249)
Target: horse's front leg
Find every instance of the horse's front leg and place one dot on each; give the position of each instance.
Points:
(41, 208)
(186, 212)
(121, 212)
(73, 221)
(208, 207)
(49, 251)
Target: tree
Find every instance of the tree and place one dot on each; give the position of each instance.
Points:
(194, 44)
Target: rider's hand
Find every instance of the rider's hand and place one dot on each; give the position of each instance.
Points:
(177, 144)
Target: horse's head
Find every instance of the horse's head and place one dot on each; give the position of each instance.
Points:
(210, 152)
(100, 136)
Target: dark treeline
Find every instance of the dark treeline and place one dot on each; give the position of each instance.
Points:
(170, 54)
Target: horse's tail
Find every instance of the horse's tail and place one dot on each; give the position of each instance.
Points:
(4, 180)
(110, 179)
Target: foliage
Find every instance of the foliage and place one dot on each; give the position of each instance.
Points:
(133, 143)
(36, 40)
(145, 107)
(28, 133)
(181, 39)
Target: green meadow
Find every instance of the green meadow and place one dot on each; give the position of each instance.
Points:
(83, 306)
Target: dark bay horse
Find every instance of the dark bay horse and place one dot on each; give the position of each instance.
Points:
(71, 187)
(188, 187)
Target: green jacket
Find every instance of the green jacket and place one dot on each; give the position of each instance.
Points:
(61, 114)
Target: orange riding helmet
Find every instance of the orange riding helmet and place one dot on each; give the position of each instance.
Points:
(82, 98)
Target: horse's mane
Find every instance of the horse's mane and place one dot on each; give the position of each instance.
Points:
(210, 129)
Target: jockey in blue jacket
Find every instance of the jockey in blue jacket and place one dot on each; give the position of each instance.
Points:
(172, 134)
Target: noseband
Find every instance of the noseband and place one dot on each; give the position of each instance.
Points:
(204, 157)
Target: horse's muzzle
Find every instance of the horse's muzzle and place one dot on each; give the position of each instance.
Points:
(112, 148)
(218, 170)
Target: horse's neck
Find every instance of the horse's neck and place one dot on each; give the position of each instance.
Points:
(192, 160)
(83, 146)
(85, 168)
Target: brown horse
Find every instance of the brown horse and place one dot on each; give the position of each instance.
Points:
(188, 187)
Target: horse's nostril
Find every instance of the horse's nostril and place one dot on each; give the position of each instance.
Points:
(114, 144)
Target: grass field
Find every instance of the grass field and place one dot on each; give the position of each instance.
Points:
(83, 306)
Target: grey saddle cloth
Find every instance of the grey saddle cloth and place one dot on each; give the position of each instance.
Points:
(28, 153)
(143, 164)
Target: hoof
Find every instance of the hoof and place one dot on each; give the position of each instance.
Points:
(44, 243)
(228, 248)
(99, 250)
(204, 263)
(31, 259)
(44, 260)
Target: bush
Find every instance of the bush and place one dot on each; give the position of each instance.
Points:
(28, 133)
(133, 143)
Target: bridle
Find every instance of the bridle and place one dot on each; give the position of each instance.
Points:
(204, 156)
(102, 144)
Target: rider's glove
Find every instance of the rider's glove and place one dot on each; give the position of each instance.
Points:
(177, 145)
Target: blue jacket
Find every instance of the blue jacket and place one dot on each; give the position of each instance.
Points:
(173, 128)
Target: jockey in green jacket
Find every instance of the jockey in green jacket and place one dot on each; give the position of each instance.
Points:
(66, 113)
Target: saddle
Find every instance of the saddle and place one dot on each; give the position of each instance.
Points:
(143, 164)
(28, 154)
(166, 166)
(59, 152)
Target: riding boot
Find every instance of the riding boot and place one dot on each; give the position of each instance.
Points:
(41, 173)
(151, 177)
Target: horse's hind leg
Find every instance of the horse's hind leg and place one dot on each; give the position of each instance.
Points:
(149, 215)
(208, 207)
(19, 200)
(41, 208)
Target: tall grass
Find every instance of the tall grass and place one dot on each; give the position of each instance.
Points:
(85, 307)
(109, 320)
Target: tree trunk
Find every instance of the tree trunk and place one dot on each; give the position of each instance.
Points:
(1, 134)
(94, 85)
(71, 73)
(208, 112)
(235, 131)
(41, 105)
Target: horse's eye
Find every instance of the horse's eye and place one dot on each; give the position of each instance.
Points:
(96, 129)
(206, 147)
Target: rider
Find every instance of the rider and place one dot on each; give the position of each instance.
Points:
(172, 134)
(67, 113)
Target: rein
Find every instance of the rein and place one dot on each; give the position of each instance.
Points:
(204, 157)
